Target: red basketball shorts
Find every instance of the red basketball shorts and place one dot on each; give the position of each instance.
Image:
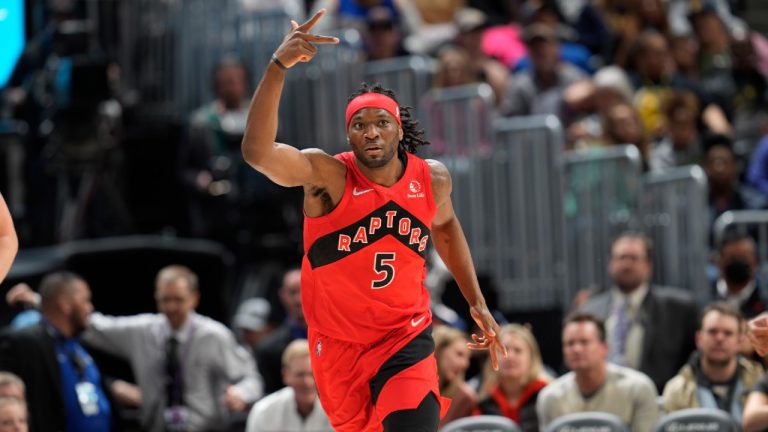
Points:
(360, 385)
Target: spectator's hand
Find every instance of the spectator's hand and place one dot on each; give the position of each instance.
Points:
(126, 394)
(22, 294)
(298, 45)
(233, 401)
(758, 334)
(488, 340)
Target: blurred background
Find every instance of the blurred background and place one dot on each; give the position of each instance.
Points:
(563, 123)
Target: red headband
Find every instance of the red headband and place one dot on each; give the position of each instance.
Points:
(373, 100)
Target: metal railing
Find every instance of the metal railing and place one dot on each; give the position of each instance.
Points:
(602, 189)
(675, 215)
(528, 259)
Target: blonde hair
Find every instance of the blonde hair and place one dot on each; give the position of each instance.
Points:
(175, 272)
(491, 377)
(444, 337)
(8, 379)
(299, 348)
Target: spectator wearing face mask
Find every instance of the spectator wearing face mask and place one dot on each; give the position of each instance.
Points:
(738, 283)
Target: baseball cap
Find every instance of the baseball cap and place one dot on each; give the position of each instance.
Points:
(380, 17)
(538, 31)
(469, 19)
(252, 314)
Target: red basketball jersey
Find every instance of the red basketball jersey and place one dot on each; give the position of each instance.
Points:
(364, 263)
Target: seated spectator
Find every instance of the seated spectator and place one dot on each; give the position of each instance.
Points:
(64, 387)
(654, 79)
(549, 14)
(679, 144)
(651, 328)
(726, 192)
(452, 355)
(594, 384)
(609, 86)
(13, 415)
(539, 90)
(383, 38)
(685, 53)
(454, 68)
(295, 408)
(189, 368)
(716, 376)
(12, 386)
(471, 24)
(512, 391)
(621, 125)
(738, 283)
(251, 322)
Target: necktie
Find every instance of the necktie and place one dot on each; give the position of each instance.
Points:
(621, 324)
(173, 384)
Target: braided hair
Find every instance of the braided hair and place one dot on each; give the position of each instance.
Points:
(413, 137)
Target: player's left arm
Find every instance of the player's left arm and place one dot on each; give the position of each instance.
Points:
(453, 249)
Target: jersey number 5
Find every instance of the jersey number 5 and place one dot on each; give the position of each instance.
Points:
(384, 269)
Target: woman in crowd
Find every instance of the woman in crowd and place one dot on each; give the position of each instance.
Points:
(452, 356)
(512, 390)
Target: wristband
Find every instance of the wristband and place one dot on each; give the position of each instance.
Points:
(278, 62)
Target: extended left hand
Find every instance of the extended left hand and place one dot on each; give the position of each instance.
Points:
(489, 339)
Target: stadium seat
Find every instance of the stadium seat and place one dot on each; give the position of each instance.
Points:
(483, 423)
(587, 421)
(699, 419)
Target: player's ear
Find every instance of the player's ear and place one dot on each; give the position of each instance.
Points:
(400, 133)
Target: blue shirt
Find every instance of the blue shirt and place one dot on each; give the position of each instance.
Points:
(77, 368)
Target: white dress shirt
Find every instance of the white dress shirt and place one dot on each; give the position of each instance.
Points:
(210, 360)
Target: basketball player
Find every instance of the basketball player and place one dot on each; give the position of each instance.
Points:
(9, 244)
(369, 214)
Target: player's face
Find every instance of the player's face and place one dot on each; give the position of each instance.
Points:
(176, 300)
(374, 135)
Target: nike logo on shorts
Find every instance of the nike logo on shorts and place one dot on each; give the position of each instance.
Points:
(356, 192)
(415, 322)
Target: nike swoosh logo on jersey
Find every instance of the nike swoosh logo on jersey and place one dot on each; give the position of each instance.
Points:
(356, 192)
(414, 322)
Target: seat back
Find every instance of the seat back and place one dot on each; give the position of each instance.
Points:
(588, 421)
(698, 419)
(483, 423)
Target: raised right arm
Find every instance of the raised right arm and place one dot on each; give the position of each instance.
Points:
(283, 164)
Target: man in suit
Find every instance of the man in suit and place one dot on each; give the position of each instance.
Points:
(64, 390)
(649, 328)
